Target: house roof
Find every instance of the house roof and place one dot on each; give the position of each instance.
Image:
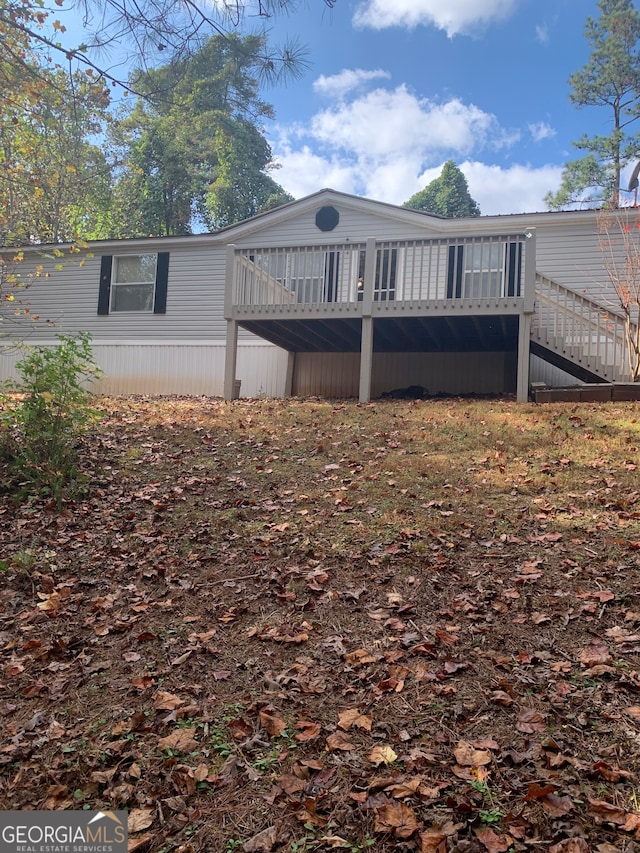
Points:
(446, 226)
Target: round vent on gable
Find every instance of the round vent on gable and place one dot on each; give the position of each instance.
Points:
(327, 218)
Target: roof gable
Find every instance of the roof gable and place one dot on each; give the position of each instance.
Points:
(343, 203)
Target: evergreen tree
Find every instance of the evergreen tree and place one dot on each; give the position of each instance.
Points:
(191, 150)
(448, 195)
(610, 79)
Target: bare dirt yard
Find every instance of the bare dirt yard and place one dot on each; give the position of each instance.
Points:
(310, 625)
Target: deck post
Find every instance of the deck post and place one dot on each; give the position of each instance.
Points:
(530, 269)
(524, 341)
(228, 281)
(366, 338)
(231, 348)
(230, 359)
(366, 359)
(288, 382)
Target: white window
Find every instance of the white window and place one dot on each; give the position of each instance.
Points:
(483, 270)
(133, 282)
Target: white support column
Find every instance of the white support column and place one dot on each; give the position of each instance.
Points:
(229, 282)
(524, 341)
(288, 383)
(230, 360)
(366, 341)
(366, 359)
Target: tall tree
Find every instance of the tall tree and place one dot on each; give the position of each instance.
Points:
(447, 195)
(191, 149)
(53, 179)
(610, 79)
(155, 31)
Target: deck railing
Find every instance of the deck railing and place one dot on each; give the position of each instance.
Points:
(407, 271)
(579, 328)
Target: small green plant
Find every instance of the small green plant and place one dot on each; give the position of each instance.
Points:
(491, 816)
(219, 741)
(39, 431)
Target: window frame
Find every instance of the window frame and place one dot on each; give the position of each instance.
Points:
(466, 262)
(108, 285)
(148, 285)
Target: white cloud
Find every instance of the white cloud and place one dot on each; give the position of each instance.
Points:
(387, 144)
(303, 172)
(394, 124)
(541, 130)
(348, 80)
(542, 33)
(453, 16)
(516, 189)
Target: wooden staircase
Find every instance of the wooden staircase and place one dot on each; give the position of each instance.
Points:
(578, 335)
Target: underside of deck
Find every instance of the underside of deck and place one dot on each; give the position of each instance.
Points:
(485, 333)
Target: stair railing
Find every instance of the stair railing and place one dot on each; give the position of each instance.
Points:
(582, 330)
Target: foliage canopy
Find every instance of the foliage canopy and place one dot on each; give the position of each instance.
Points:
(447, 195)
(191, 148)
(610, 79)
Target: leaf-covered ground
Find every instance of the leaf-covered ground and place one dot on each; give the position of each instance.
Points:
(305, 625)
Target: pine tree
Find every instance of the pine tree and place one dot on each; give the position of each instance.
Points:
(610, 79)
(447, 195)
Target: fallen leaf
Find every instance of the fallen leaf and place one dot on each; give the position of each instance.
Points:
(334, 842)
(139, 843)
(353, 717)
(263, 842)
(397, 818)
(163, 701)
(433, 841)
(308, 731)
(538, 792)
(595, 654)
(557, 806)
(274, 726)
(493, 842)
(383, 754)
(602, 811)
(140, 819)
(570, 845)
(339, 740)
(201, 772)
(467, 756)
(530, 721)
(180, 740)
(144, 682)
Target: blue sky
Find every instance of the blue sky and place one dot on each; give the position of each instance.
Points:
(396, 87)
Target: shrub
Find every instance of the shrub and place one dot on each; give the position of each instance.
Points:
(40, 427)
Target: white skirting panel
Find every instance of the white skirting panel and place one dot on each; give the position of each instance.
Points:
(177, 367)
(337, 374)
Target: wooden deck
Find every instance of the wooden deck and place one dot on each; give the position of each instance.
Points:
(459, 294)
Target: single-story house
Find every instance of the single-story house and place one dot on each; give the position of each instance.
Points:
(337, 296)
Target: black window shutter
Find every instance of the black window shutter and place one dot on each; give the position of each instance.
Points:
(514, 269)
(454, 272)
(104, 291)
(162, 279)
